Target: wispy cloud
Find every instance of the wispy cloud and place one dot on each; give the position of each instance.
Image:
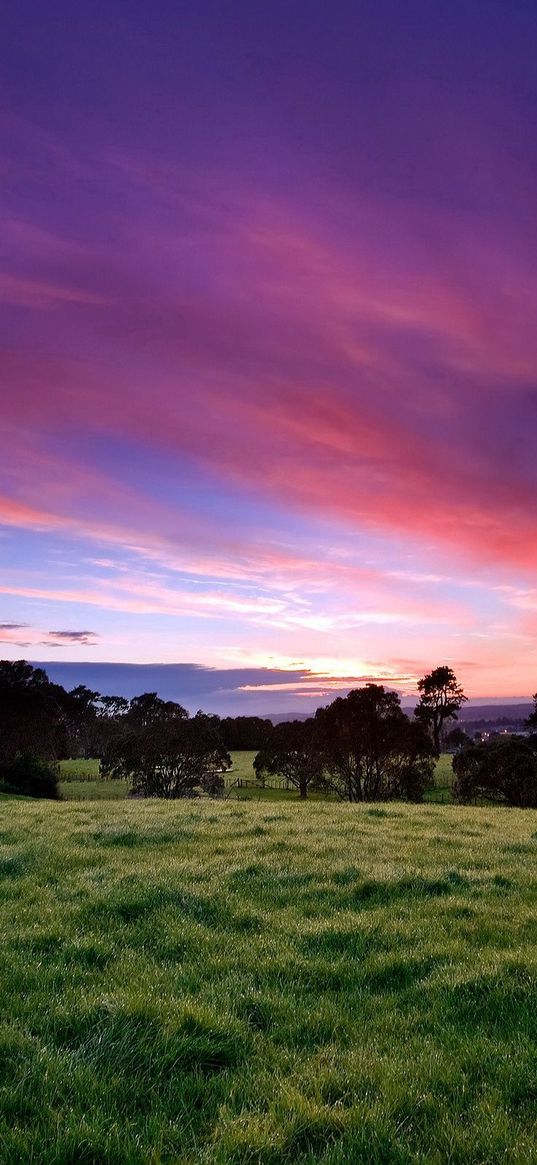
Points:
(32, 637)
(282, 402)
(85, 637)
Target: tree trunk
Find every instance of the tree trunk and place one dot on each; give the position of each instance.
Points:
(437, 724)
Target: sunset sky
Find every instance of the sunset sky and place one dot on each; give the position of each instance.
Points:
(268, 341)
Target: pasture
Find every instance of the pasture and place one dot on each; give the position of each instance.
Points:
(80, 781)
(267, 984)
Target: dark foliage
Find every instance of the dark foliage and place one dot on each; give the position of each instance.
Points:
(148, 710)
(92, 721)
(246, 732)
(457, 738)
(169, 758)
(33, 712)
(293, 752)
(29, 776)
(440, 700)
(503, 770)
(371, 751)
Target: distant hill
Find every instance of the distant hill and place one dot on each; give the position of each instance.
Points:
(469, 714)
(497, 712)
(282, 717)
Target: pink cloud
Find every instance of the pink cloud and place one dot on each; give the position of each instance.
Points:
(342, 382)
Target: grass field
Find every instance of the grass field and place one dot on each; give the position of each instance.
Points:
(80, 781)
(256, 984)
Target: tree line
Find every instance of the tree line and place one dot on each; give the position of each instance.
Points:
(361, 747)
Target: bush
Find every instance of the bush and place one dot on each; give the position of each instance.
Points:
(30, 776)
(500, 770)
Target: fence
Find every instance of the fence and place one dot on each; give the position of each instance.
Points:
(245, 783)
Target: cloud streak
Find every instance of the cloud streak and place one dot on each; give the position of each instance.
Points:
(269, 358)
(328, 408)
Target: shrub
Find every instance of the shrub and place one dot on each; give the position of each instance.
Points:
(30, 776)
(500, 770)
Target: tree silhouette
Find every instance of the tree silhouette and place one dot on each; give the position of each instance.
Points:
(440, 700)
(33, 712)
(502, 770)
(168, 757)
(292, 752)
(371, 750)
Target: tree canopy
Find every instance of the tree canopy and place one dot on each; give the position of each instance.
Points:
(293, 753)
(503, 770)
(371, 750)
(34, 712)
(440, 700)
(168, 758)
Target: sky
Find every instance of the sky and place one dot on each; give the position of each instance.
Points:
(268, 353)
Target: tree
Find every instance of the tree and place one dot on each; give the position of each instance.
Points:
(292, 752)
(371, 750)
(168, 758)
(29, 776)
(81, 720)
(245, 732)
(33, 712)
(503, 770)
(531, 722)
(17, 674)
(440, 700)
(108, 726)
(149, 709)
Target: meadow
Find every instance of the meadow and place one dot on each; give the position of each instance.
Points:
(246, 983)
(80, 781)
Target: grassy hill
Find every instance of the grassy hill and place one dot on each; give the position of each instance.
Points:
(267, 984)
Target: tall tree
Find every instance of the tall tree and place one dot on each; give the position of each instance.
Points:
(440, 700)
(81, 715)
(371, 750)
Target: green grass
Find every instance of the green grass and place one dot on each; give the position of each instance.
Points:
(256, 984)
(96, 790)
(79, 770)
(443, 780)
(80, 781)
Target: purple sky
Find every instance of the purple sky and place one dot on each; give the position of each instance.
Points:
(268, 343)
